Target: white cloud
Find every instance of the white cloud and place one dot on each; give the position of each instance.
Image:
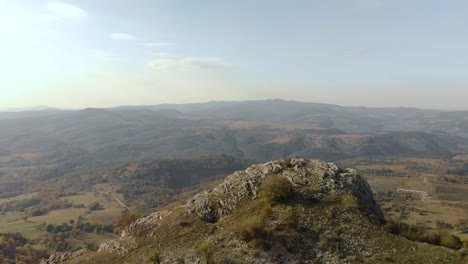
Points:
(63, 11)
(123, 36)
(165, 64)
(158, 44)
(204, 62)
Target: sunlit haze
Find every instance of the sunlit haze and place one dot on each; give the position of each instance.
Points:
(88, 53)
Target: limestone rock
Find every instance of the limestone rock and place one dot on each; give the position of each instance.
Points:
(127, 242)
(320, 177)
(63, 256)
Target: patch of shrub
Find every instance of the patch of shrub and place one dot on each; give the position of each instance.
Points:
(416, 232)
(266, 211)
(286, 162)
(37, 212)
(275, 188)
(253, 228)
(227, 261)
(451, 241)
(254, 232)
(260, 244)
(90, 246)
(154, 256)
(206, 250)
(95, 206)
(125, 220)
(344, 199)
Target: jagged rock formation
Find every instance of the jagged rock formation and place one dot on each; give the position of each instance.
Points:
(420, 194)
(63, 256)
(329, 216)
(324, 178)
(142, 226)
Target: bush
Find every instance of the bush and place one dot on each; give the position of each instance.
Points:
(38, 212)
(95, 206)
(207, 251)
(253, 228)
(254, 232)
(451, 241)
(416, 232)
(276, 188)
(125, 220)
(154, 256)
(344, 199)
(286, 162)
(266, 211)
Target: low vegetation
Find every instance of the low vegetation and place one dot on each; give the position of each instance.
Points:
(14, 248)
(206, 250)
(154, 256)
(275, 188)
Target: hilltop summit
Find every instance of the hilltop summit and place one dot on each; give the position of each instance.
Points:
(283, 211)
(311, 180)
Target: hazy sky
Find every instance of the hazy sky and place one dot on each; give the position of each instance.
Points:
(100, 53)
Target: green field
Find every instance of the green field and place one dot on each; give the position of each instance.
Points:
(451, 193)
(15, 221)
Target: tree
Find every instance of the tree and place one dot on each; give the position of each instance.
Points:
(125, 220)
(95, 206)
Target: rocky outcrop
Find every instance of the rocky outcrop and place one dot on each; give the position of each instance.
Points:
(319, 179)
(121, 245)
(63, 256)
(126, 242)
(420, 194)
(145, 225)
(311, 179)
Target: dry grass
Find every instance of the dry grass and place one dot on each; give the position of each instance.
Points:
(396, 168)
(18, 198)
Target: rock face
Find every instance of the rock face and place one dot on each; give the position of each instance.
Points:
(142, 226)
(314, 180)
(63, 256)
(319, 177)
(315, 177)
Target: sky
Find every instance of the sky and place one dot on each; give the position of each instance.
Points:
(88, 53)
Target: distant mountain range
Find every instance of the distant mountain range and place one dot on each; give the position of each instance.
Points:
(348, 119)
(31, 109)
(254, 130)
